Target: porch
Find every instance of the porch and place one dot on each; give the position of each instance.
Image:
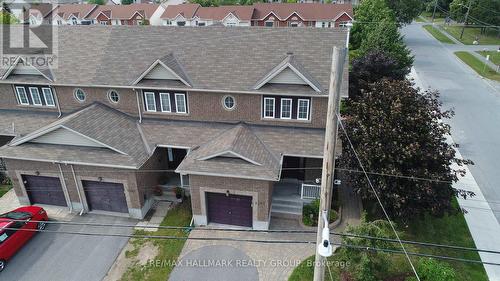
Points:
(290, 195)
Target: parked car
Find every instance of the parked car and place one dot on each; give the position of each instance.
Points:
(13, 238)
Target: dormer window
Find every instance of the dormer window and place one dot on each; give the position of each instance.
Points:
(21, 96)
(286, 108)
(165, 102)
(35, 96)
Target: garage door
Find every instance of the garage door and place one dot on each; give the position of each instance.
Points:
(105, 196)
(44, 190)
(232, 209)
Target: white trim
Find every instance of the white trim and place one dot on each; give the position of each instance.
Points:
(264, 108)
(223, 175)
(298, 109)
(301, 155)
(33, 99)
(169, 102)
(278, 71)
(343, 13)
(76, 96)
(294, 12)
(137, 12)
(70, 162)
(166, 67)
(51, 95)
(224, 102)
(146, 101)
(271, 12)
(230, 13)
(185, 103)
(230, 152)
(25, 95)
(13, 66)
(109, 96)
(94, 140)
(281, 108)
(102, 12)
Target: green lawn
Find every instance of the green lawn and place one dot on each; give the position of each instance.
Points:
(450, 230)
(478, 66)
(438, 34)
(494, 56)
(4, 189)
(169, 250)
(470, 34)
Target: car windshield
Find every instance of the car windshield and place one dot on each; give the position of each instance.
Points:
(16, 215)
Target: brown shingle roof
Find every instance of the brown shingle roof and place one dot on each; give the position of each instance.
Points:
(243, 13)
(307, 11)
(124, 11)
(78, 10)
(186, 10)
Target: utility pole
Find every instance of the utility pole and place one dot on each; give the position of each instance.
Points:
(466, 17)
(434, 12)
(338, 60)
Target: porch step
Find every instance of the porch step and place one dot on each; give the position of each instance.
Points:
(286, 207)
(288, 202)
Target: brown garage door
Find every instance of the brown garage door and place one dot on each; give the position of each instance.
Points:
(232, 209)
(105, 196)
(44, 190)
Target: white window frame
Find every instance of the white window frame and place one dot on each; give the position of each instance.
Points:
(33, 99)
(161, 102)
(146, 94)
(267, 21)
(25, 96)
(281, 108)
(264, 107)
(48, 92)
(103, 22)
(177, 103)
(298, 109)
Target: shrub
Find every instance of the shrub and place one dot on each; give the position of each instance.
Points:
(432, 270)
(310, 214)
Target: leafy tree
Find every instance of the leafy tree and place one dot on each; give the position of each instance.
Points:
(432, 270)
(367, 265)
(368, 15)
(397, 130)
(481, 10)
(405, 10)
(98, 2)
(386, 37)
(370, 68)
(7, 18)
(127, 2)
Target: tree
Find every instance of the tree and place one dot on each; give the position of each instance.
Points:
(7, 18)
(97, 2)
(397, 130)
(481, 11)
(127, 2)
(432, 270)
(370, 68)
(367, 265)
(368, 14)
(406, 10)
(386, 37)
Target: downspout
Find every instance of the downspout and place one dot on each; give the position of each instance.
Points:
(77, 189)
(65, 187)
(138, 105)
(57, 101)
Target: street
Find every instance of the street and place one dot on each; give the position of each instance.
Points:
(64, 257)
(476, 102)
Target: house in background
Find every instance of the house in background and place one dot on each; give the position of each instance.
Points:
(70, 14)
(133, 14)
(260, 14)
(240, 129)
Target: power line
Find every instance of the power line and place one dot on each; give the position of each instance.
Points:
(289, 231)
(376, 195)
(171, 237)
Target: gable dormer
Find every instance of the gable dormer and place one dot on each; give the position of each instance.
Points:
(20, 67)
(289, 72)
(165, 68)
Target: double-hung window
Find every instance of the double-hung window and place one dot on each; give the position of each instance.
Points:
(149, 97)
(269, 108)
(180, 103)
(49, 98)
(22, 96)
(165, 102)
(286, 108)
(303, 109)
(35, 96)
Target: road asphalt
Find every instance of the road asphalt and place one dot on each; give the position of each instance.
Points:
(67, 257)
(475, 127)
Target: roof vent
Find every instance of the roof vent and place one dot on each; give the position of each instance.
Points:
(289, 53)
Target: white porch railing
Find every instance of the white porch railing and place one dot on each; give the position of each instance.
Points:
(310, 191)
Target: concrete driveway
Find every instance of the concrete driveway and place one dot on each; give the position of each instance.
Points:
(67, 257)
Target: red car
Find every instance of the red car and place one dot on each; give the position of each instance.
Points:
(12, 239)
